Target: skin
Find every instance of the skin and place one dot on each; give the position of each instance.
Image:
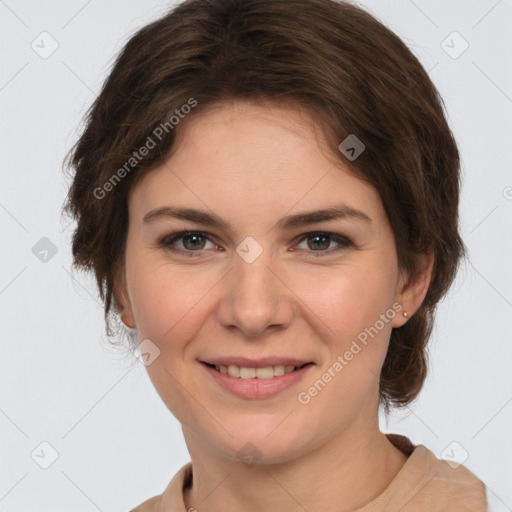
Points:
(253, 164)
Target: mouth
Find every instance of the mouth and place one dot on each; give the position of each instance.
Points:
(262, 380)
(252, 372)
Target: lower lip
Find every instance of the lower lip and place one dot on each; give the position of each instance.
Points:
(257, 388)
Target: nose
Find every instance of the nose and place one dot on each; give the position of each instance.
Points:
(255, 298)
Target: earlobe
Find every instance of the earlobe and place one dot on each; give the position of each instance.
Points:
(412, 290)
(122, 303)
(125, 311)
(127, 318)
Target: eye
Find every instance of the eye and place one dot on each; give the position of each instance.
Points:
(319, 242)
(190, 241)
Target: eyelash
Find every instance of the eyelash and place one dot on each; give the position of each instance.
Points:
(171, 238)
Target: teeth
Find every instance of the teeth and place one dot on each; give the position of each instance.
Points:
(234, 371)
(279, 370)
(247, 373)
(265, 373)
(251, 373)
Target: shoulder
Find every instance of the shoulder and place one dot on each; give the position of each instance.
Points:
(444, 485)
(172, 497)
(455, 485)
(428, 483)
(150, 505)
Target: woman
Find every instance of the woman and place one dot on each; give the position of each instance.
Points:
(267, 193)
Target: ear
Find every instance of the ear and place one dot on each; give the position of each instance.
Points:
(122, 301)
(411, 290)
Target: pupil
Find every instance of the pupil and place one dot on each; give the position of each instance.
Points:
(193, 245)
(325, 245)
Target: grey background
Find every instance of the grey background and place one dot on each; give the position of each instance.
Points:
(63, 384)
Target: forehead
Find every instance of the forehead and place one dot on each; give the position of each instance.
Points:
(254, 159)
(240, 128)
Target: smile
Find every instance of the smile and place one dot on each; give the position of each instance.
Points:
(256, 383)
(267, 372)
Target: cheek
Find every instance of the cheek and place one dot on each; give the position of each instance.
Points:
(349, 299)
(355, 305)
(168, 306)
(165, 301)
(169, 301)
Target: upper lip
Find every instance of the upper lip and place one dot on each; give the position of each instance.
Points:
(262, 362)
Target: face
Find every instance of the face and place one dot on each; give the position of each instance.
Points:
(254, 281)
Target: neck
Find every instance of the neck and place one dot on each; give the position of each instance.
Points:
(346, 473)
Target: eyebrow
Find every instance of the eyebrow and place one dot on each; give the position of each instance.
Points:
(339, 212)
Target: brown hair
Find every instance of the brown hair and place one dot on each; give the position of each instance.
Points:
(327, 56)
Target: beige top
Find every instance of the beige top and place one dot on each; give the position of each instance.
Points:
(424, 484)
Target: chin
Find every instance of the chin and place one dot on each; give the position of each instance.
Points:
(262, 443)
